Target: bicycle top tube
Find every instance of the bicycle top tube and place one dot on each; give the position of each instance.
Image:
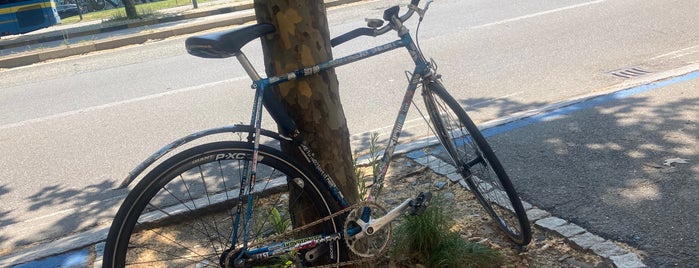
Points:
(395, 23)
(300, 73)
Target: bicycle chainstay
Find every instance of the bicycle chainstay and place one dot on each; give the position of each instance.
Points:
(290, 235)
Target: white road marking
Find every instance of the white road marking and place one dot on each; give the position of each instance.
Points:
(537, 14)
(114, 104)
(679, 53)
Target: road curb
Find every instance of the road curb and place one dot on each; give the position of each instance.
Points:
(28, 58)
(23, 59)
(64, 245)
(90, 29)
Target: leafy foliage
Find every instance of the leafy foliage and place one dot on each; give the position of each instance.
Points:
(280, 225)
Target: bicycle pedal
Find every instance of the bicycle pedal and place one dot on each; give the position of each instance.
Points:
(419, 204)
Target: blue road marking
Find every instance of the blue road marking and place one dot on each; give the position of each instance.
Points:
(557, 113)
(596, 101)
(78, 258)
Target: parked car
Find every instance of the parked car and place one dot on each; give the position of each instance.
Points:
(67, 10)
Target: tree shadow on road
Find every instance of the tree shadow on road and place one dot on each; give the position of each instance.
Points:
(84, 209)
(604, 168)
(496, 108)
(479, 109)
(4, 217)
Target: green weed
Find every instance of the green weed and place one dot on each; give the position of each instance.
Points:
(360, 176)
(428, 240)
(280, 225)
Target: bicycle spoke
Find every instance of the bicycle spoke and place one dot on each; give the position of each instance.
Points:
(483, 173)
(185, 213)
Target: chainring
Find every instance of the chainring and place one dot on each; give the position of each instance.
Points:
(367, 244)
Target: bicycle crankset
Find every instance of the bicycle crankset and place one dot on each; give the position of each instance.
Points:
(361, 238)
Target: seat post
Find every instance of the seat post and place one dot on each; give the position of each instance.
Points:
(247, 66)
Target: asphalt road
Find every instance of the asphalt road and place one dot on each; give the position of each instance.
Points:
(71, 129)
(624, 167)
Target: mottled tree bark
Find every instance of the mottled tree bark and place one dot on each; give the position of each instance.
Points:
(302, 40)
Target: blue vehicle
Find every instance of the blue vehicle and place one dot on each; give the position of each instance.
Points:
(23, 16)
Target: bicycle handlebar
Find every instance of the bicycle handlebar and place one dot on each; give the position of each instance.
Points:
(351, 35)
(373, 32)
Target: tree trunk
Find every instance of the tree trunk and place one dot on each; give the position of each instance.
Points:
(302, 40)
(130, 8)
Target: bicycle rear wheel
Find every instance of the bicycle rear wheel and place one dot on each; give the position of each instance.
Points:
(182, 213)
(476, 162)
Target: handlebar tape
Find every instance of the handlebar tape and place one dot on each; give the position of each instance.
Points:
(351, 35)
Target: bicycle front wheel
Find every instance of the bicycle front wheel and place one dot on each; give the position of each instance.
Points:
(183, 213)
(476, 162)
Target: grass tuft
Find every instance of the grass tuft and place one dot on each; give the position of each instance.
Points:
(360, 176)
(428, 240)
(120, 15)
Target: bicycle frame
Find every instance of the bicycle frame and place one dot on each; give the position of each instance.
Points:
(421, 72)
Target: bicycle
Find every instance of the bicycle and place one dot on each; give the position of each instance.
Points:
(246, 203)
(87, 6)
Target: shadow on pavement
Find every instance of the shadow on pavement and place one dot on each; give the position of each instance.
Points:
(604, 168)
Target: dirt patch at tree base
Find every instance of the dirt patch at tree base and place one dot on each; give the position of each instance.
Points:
(547, 249)
(406, 179)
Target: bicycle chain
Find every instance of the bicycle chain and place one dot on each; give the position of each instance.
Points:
(290, 234)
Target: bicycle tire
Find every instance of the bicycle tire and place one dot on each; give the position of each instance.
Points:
(189, 198)
(476, 162)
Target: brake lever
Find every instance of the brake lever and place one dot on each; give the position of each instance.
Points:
(421, 12)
